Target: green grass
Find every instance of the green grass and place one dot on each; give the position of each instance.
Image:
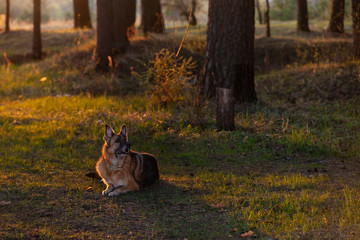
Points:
(289, 171)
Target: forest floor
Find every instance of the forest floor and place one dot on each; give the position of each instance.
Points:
(291, 170)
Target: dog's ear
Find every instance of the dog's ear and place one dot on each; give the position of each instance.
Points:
(123, 133)
(109, 133)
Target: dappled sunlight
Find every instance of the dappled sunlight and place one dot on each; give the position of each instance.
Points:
(289, 170)
(273, 203)
(257, 198)
(257, 121)
(149, 118)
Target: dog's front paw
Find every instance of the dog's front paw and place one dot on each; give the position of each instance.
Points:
(113, 194)
(108, 190)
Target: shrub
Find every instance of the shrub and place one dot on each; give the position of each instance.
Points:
(170, 82)
(169, 78)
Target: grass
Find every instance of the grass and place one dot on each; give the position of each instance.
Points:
(289, 171)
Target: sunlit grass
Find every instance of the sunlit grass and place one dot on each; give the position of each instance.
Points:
(62, 136)
(268, 176)
(279, 205)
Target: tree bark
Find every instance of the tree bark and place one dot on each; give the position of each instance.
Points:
(229, 58)
(267, 19)
(356, 27)
(123, 22)
(37, 46)
(82, 14)
(258, 8)
(7, 18)
(131, 17)
(120, 23)
(225, 112)
(104, 29)
(151, 17)
(302, 16)
(193, 20)
(336, 24)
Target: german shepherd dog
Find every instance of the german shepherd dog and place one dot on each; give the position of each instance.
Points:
(122, 169)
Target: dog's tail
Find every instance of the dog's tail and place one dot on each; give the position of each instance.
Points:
(93, 175)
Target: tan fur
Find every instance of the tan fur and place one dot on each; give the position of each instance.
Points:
(117, 174)
(121, 169)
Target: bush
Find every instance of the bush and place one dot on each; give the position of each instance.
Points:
(169, 78)
(170, 82)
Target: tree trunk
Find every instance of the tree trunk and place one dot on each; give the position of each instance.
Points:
(258, 8)
(225, 112)
(356, 27)
(185, 10)
(151, 17)
(267, 19)
(302, 16)
(131, 17)
(104, 29)
(82, 14)
(123, 22)
(229, 58)
(193, 20)
(7, 18)
(37, 48)
(120, 24)
(336, 24)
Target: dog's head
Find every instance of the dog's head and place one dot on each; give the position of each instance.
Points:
(117, 143)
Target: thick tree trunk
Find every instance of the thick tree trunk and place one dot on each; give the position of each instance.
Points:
(267, 19)
(123, 22)
(302, 16)
(104, 29)
(225, 112)
(336, 24)
(7, 18)
(356, 27)
(151, 17)
(229, 58)
(37, 47)
(120, 24)
(82, 14)
(258, 8)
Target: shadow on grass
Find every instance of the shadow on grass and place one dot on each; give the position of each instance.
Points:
(17, 44)
(280, 52)
(162, 211)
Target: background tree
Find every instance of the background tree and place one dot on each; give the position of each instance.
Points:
(82, 14)
(258, 9)
(355, 4)
(267, 19)
(229, 59)
(37, 47)
(131, 17)
(104, 31)
(123, 22)
(185, 7)
(302, 16)
(336, 24)
(151, 16)
(7, 17)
